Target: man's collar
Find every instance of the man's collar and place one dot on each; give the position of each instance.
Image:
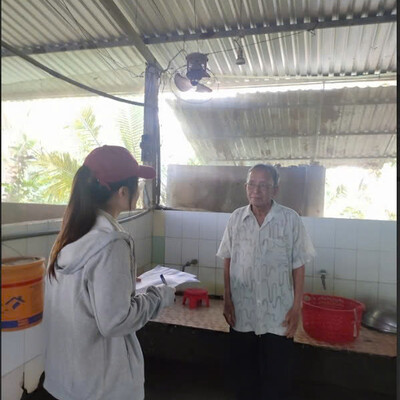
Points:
(248, 212)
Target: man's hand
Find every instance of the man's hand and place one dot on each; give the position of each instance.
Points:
(291, 321)
(229, 312)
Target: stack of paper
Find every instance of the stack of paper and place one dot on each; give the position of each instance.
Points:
(173, 277)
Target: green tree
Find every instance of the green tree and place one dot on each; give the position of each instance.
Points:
(55, 170)
(21, 185)
(351, 212)
(334, 194)
(130, 127)
(86, 129)
(55, 173)
(392, 216)
(46, 177)
(129, 123)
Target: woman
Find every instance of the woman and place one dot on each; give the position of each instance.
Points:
(91, 311)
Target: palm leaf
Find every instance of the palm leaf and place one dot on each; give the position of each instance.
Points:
(130, 126)
(55, 171)
(86, 129)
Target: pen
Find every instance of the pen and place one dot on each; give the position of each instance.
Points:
(163, 279)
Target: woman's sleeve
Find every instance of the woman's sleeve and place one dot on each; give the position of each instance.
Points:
(117, 310)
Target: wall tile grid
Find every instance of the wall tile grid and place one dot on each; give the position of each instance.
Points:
(141, 230)
(359, 256)
(191, 235)
(22, 351)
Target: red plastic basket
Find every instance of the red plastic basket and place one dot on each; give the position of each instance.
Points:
(331, 319)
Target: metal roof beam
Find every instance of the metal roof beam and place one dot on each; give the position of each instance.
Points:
(309, 158)
(72, 46)
(246, 104)
(125, 25)
(307, 26)
(133, 39)
(297, 136)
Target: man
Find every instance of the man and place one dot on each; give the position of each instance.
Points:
(265, 247)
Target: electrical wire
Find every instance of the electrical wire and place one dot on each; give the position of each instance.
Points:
(266, 40)
(103, 53)
(82, 30)
(172, 59)
(106, 54)
(65, 78)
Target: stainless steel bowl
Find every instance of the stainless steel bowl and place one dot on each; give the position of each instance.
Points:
(383, 320)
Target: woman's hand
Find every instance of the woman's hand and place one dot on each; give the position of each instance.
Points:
(167, 295)
(229, 311)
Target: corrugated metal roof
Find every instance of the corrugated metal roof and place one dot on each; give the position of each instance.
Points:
(43, 24)
(356, 124)
(115, 70)
(341, 51)
(348, 50)
(326, 126)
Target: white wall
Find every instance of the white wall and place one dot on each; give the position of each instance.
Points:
(358, 255)
(22, 351)
(195, 235)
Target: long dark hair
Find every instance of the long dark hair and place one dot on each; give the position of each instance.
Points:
(87, 196)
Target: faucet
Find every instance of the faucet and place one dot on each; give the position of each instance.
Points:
(323, 278)
(192, 262)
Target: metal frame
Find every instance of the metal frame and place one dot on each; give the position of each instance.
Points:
(306, 26)
(133, 39)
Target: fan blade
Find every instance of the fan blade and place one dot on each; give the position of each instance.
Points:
(182, 83)
(203, 88)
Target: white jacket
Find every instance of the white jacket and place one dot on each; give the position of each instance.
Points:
(91, 315)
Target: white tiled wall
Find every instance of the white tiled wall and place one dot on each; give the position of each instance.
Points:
(359, 256)
(141, 230)
(195, 235)
(199, 231)
(22, 351)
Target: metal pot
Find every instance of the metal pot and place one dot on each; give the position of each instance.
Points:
(383, 320)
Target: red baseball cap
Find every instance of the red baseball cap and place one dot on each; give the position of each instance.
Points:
(115, 163)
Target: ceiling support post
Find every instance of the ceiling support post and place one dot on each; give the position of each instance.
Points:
(151, 134)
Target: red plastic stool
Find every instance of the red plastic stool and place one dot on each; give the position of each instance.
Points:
(195, 297)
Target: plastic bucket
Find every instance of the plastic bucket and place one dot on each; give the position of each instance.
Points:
(22, 291)
(331, 319)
